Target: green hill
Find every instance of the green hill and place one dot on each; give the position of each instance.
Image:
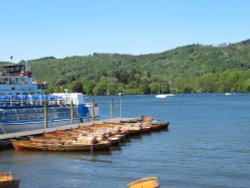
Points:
(191, 68)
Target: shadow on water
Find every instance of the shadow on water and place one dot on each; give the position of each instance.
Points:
(57, 153)
(95, 160)
(6, 149)
(117, 148)
(135, 137)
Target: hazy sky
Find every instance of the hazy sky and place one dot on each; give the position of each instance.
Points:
(31, 29)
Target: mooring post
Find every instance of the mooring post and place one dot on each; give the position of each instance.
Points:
(112, 107)
(72, 112)
(45, 115)
(142, 117)
(120, 94)
(93, 110)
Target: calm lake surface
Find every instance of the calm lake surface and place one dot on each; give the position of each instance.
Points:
(207, 145)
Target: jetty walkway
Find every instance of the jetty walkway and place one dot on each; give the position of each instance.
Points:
(5, 139)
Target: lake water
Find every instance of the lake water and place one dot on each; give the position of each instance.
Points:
(207, 145)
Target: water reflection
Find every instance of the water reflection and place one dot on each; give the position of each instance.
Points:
(92, 159)
(27, 153)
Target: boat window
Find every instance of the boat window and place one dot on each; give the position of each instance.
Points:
(9, 112)
(50, 110)
(18, 111)
(34, 116)
(10, 118)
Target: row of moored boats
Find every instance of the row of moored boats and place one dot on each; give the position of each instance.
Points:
(7, 181)
(99, 136)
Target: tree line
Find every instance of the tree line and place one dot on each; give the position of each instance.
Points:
(188, 69)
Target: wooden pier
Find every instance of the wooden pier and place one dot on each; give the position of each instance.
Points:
(90, 136)
(10, 136)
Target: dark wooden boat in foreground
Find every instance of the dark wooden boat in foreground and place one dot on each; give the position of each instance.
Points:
(150, 182)
(7, 181)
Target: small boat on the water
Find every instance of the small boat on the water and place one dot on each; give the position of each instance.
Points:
(150, 182)
(228, 94)
(57, 144)
(133, 129)
(112, 136)
(155, 126)
(164, 125)
(7, 181)
(146, 128)
(162, 96)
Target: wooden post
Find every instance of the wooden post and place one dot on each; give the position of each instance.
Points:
(11, 101)
(142, 117)
(121, 115)
(93, 110)
(45, 115)
(72, 112)
(112, 107)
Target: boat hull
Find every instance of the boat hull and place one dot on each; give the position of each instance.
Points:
(33, 125)
(27, 145)
(150, 182)
(10, 184)
(162, 96)
(7, 181)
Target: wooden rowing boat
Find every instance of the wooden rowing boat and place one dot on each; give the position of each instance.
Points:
(150, 182)
(113, 138)
(61, 136)
(133, 129)
(6, 176)
(146, 128)
(155, 126)
(164, 125)
(47, 144)
(7, 181)
(115, 141)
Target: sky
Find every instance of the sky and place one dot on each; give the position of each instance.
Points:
(32, 29)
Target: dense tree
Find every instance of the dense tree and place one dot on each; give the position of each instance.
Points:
(191, 68)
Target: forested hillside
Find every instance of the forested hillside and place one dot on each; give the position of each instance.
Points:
(187, 69)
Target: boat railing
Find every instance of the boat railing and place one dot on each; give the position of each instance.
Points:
(29, 100)
(34, 113)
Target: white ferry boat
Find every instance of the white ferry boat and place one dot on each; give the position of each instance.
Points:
(22, 103)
